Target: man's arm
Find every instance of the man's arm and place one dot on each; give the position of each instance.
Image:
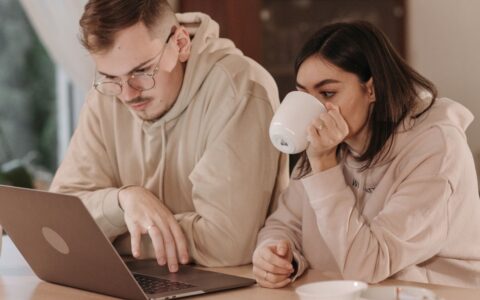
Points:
(87, 172)
(232, 186)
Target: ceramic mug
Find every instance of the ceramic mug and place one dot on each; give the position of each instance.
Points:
(288, 129)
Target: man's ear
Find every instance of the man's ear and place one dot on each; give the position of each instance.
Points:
(183, 43)
(178, 48)
(370, 89)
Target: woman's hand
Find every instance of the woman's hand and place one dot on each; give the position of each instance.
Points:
(325, 134)
(272, 264)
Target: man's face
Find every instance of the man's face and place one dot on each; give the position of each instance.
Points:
(135, 51)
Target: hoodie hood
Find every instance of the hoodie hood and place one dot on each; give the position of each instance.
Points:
(444, 112)
(206, 49)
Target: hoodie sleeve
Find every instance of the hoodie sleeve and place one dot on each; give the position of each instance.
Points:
(286, 224)
(412, 226)
(233, 179)
(85, 160)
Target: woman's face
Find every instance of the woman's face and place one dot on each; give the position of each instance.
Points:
(329, 83)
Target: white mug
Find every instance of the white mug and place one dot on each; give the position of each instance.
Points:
(288, 129)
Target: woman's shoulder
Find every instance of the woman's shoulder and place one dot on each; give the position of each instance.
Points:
(443, 112)
(439, 149)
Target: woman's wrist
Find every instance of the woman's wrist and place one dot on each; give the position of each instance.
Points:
(323, 162)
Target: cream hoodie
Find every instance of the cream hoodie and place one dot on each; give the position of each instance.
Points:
(415, 216)
(208, 159)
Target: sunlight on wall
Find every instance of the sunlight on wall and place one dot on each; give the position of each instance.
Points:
(444, 45)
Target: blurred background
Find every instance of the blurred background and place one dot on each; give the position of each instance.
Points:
(45, 73)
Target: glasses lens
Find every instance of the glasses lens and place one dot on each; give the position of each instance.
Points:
(109, 88)
(141, 82)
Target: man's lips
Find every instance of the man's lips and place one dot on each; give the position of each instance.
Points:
(139, 105)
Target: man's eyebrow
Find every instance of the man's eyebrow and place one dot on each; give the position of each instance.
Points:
(132, 70)
(319, 84)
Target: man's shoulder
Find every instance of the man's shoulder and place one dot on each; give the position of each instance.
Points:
(243, 67)
(245, 76)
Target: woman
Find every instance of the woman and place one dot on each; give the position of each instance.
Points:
(387, 186)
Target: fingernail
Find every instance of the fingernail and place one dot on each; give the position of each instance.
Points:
(173, 268)
(184, 259)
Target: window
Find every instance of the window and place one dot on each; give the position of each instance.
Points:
(28, 134)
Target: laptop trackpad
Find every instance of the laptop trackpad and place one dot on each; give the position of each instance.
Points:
(206, 280)
(148, 267)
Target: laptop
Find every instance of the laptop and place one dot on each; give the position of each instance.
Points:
(61, 242)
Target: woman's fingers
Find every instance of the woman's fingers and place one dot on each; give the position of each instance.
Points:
(271, 280)
(340, 122)
(265, 259)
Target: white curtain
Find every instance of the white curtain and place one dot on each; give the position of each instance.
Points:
(56, 23)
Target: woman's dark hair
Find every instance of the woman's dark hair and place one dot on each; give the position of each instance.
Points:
(362, 49)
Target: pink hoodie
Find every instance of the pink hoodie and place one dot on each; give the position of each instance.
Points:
(414, 216)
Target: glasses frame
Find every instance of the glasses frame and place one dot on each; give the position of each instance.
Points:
(120, 83)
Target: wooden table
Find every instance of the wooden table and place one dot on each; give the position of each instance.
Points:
(17, 282)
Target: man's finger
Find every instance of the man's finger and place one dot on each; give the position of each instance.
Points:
(180, 242)
(135, 237)
(158, 244)
(169, 244)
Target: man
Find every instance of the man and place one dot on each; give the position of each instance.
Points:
(171, 154)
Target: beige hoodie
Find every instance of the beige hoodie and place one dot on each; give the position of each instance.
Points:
(415, 216)
(208, 158)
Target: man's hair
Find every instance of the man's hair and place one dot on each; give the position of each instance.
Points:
(103, 19)
(362, 49)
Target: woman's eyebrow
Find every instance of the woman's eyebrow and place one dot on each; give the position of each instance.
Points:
(319, 84)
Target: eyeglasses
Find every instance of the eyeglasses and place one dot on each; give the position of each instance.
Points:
(140, 81)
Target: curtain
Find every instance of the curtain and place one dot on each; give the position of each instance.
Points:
(56, 24)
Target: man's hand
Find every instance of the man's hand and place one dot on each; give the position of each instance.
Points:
(272, 264)
(145, 214)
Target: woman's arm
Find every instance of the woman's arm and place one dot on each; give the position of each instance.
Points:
(411, 228)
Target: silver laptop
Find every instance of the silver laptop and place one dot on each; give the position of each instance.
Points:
(61, 242)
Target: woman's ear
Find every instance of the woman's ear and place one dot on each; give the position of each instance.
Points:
(370, 89)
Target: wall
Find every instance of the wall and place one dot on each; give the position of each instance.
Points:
(443, 43)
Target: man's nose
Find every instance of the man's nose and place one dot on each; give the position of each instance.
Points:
(129, 93)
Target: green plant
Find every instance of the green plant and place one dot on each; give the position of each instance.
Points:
(16, 173)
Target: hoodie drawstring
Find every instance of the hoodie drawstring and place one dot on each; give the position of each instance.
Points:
(162, 162)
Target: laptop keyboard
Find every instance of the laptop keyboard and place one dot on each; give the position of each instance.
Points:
(154, 285)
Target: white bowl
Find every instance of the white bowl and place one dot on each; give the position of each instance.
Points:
(331, 290)
(397, 293)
